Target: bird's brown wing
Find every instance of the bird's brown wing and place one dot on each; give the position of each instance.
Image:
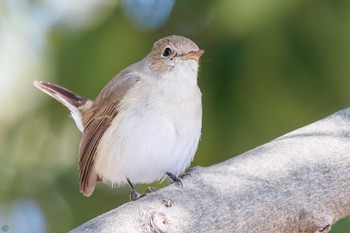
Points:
(104, 110)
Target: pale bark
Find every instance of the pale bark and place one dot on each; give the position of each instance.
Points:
(299, 182)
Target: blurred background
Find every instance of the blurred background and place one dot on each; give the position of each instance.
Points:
(269, 67)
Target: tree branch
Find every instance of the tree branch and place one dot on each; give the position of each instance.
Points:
(299, 182)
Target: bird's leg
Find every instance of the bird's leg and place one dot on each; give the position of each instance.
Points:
(175, 179)
(134, 195)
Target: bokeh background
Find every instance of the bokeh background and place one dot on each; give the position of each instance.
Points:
(270, 67)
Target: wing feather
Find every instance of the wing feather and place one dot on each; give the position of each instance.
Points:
(104, 111)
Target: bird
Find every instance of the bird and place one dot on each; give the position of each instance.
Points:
(145, 124)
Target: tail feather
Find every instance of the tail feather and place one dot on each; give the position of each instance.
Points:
(88, 188)
(61, 94)
(72, 101)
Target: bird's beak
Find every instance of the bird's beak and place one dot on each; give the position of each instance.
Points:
(194, 55)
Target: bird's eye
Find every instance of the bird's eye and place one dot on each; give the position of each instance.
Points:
(167, 52)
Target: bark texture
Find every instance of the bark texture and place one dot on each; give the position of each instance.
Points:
(299, 182)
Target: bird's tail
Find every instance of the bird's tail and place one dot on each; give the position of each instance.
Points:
(76, 104)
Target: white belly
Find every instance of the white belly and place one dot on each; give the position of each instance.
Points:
(149, 138)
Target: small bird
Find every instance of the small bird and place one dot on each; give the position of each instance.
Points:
(146, 122)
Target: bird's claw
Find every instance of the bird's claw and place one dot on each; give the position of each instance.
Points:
(150, 190)
(134, 195)
(184, 174)
(175, 179)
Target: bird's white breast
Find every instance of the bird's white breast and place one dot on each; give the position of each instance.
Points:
(156, 130)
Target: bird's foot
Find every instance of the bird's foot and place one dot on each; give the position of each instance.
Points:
(134, 195)
(184, 174)
(175, 179)
(149, 190)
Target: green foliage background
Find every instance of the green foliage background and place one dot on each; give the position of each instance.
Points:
(269, 67)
